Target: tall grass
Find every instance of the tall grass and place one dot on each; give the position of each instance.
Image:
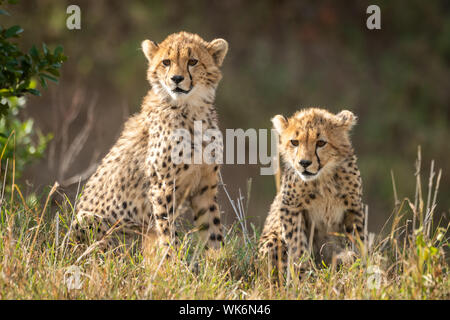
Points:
(39, 261)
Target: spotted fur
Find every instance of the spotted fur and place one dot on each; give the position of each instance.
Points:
(321, 190)
(137, 189)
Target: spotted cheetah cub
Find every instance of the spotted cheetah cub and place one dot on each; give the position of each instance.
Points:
(320, 192)
(137, 188)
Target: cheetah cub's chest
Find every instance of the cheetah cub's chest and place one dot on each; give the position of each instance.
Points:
(326, 212)
(187, 146)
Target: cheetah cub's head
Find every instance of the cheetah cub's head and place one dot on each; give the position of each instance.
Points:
(314, 141)
(184, 67)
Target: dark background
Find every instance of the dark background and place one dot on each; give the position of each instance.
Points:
(284, 55)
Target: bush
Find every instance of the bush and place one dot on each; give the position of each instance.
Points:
(18, 68)
(19, 72)
(17, 138)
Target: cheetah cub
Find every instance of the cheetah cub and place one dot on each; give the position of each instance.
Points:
(137, 189)
(320, 193)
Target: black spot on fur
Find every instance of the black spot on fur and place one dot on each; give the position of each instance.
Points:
(200, 213)
(202, 191)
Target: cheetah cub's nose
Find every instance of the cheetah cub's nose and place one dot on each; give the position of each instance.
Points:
(305, 163)
(177, 79)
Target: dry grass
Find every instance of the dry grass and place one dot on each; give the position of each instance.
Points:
(38, 261)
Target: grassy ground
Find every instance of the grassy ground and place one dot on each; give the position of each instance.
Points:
(38, 261)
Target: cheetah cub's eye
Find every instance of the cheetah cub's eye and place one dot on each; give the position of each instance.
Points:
(166, 62)
(192, 62)
(294, 143)
(321, 143)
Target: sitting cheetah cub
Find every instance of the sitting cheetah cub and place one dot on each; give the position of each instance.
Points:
(320, 192)
(137, 188)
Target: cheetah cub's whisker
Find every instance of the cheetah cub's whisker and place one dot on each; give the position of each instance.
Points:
(137, 186)
(320, 193)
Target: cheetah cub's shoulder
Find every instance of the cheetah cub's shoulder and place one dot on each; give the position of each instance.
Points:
(320, 193)
(138, 187)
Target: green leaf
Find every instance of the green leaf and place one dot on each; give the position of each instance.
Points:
(34, 53)
(433, 251)
(34, 91)
(42, 80)
(53, 72)
(3, 109)
(48, 77)
(13, 31)
(58, 50)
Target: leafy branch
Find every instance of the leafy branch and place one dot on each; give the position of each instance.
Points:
(18, 69)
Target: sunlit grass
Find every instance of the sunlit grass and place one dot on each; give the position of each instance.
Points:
(38, 260)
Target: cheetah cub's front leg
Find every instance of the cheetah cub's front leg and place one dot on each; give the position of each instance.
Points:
(285, 235)
(294, 234)
(206, 209)
(163, 211)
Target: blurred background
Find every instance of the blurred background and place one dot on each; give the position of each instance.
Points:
(283, 56)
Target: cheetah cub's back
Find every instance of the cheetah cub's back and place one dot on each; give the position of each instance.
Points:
(320, 193)
(138, 188)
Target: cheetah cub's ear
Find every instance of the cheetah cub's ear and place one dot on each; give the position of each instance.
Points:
(149, 48)
(279, 123)
(346, 119)
(218, 49)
